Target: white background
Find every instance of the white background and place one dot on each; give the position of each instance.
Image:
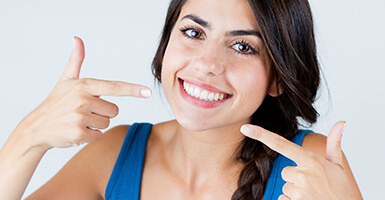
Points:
(121, 39)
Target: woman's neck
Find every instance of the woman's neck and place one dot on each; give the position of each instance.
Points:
(200, 158)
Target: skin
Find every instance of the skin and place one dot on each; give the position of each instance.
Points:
(191, 157)
(215, 60)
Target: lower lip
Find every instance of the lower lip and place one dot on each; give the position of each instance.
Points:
(199, 102)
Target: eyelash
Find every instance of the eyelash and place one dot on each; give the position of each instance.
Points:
(248, 44)
(184, 29)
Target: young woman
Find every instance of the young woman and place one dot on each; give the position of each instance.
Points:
(227, 68)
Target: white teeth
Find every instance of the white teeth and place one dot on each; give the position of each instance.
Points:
(197, 92)
(211, 97)
(186, 86)
(202, 94)
(216, 97)
(190, 91)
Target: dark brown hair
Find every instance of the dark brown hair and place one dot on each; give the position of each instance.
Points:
(287, 31)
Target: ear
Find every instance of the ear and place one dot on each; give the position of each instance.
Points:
(275, 88)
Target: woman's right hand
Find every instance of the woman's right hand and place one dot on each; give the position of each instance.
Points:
(73, 112)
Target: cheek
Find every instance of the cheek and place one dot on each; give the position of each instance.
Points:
(252, 81)
(174, 59)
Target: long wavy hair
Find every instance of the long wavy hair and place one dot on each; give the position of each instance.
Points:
(288, 34)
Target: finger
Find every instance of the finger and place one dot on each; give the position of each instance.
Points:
(103, 108)
(97, 87)
(92, 135)
(283, 197)
(96, 121)
(289, 189)
(289, 174)
(333, 145)
(275, 142)
(75, 61)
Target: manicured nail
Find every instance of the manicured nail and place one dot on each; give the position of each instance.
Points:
(73, 41)
(145, 92)
(343, 128)
(246, 130)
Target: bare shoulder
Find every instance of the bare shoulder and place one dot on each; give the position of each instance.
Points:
(104, 154)
(86, 175)
(315, 142)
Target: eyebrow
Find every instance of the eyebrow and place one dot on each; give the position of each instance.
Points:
(244, 32)
(198, 20)
(206, 24)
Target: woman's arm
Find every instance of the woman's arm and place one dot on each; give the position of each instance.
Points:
(71, 115)
(86, 175)
(18, 161)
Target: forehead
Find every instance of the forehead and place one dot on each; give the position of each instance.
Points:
(230, 14)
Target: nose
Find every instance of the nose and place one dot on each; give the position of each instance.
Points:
(210, 62)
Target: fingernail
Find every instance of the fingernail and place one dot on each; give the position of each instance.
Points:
(246, 130)
(145, 92)
(343, 128)
(73, 41)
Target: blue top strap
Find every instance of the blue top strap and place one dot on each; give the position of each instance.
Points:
(124, 183)
(275, 182)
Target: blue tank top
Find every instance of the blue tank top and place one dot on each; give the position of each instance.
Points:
(125, 180)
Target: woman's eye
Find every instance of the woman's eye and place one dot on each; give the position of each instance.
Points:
(192, 33)
(243, 48)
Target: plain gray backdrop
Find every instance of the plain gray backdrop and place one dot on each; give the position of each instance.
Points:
(121, 38)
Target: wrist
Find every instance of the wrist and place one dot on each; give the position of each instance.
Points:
(22, 142)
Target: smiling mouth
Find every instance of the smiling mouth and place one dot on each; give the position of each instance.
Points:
(203, 94)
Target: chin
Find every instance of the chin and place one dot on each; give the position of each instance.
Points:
(197, 123)
(200, 123)
(194, 125)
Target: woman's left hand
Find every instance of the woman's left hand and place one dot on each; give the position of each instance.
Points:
(315, 177)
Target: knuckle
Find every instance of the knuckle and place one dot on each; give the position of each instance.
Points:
(322, 167)
(301, 177)
(299, 194)
(134, 91)
(115, 87)
(77, 136)
(314, 158)
(80, 84)
(80, 119)
(81, 103)
(278, 143)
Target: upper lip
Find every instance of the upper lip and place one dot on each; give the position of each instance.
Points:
(204, 86)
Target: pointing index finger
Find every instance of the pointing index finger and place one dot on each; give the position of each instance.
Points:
(275, 142)
(97, 87)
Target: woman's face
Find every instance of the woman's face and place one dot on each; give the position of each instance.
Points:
(216, 69)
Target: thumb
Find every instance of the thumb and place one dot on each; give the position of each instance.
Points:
(333, 145)
(75, 62)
